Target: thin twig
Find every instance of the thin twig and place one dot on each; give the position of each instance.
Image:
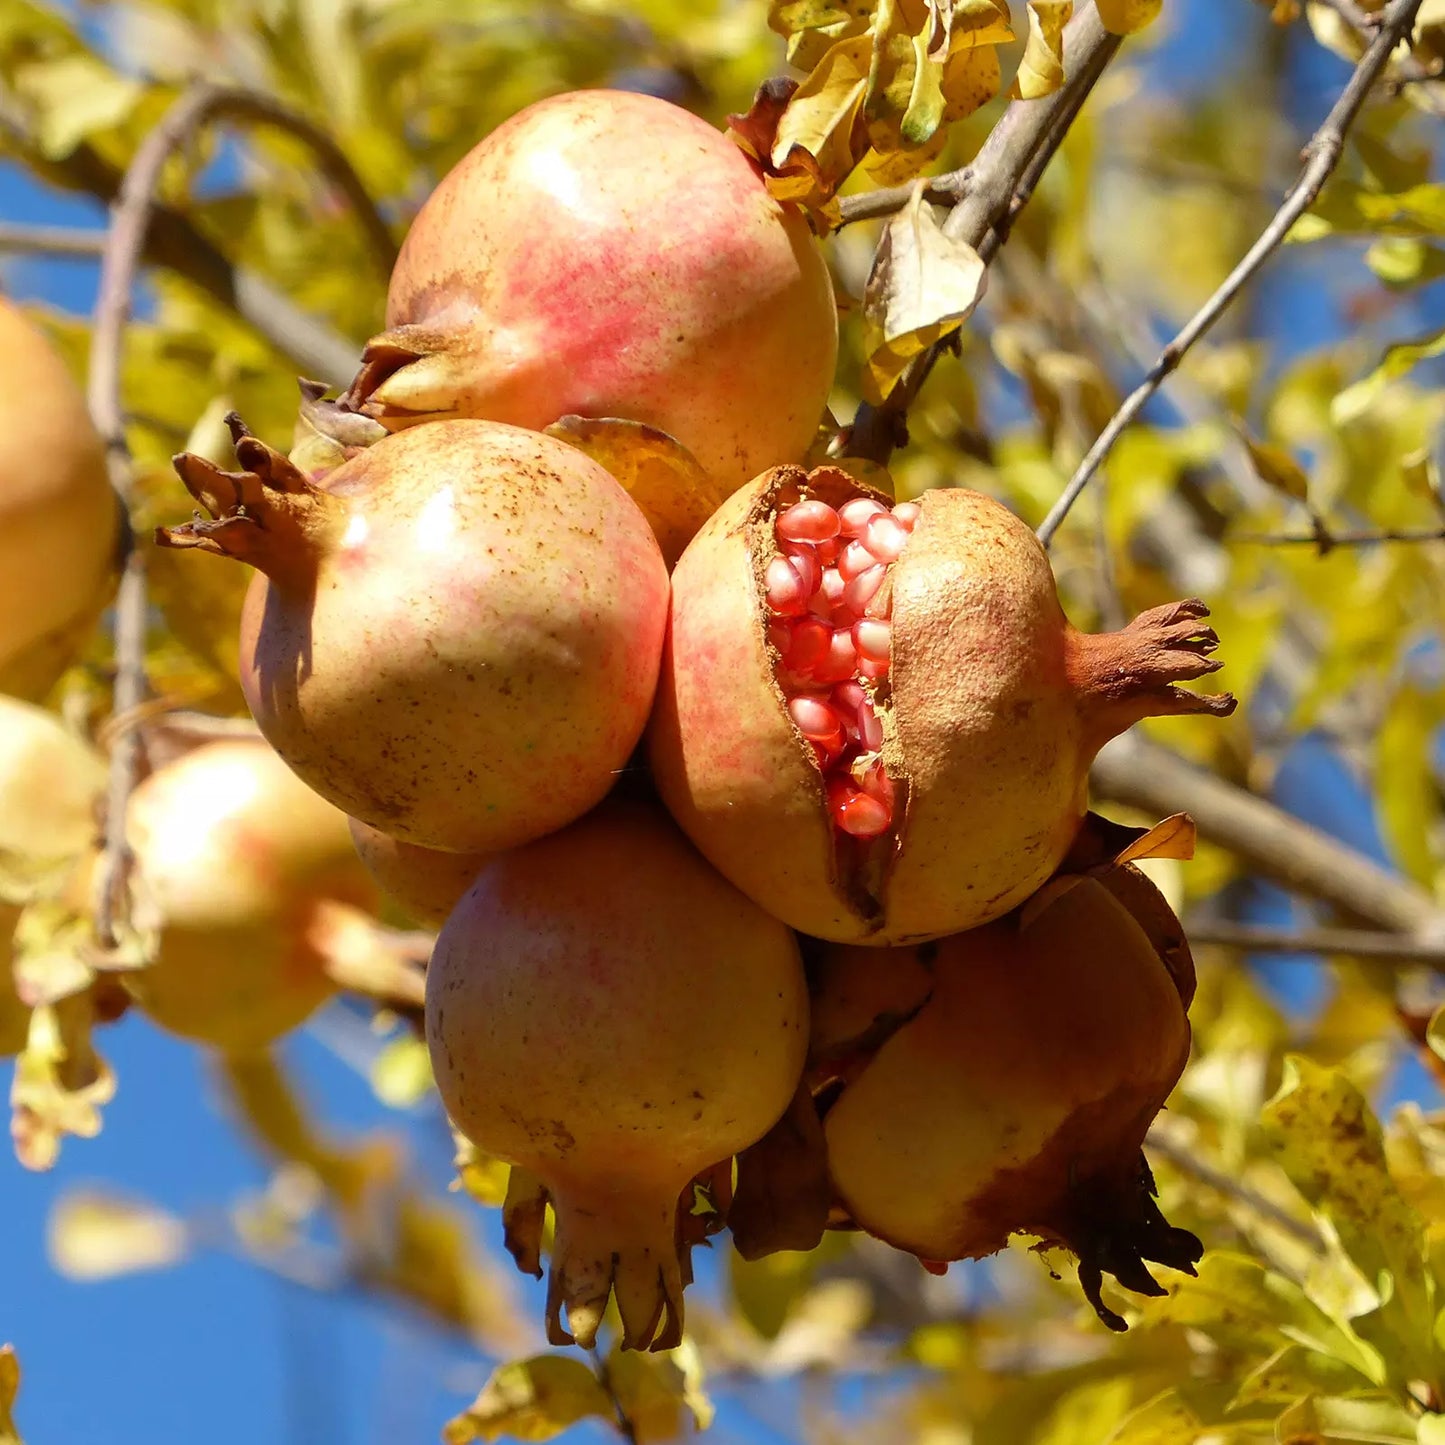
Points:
(1399, 948)
(1000, 181)
(947, 189)
(66, 242)
(625, 1425)
(1268, 840)
(120, 262)
(1158, 1142)
(174, 241)
(1327, 541)
(1321, 156)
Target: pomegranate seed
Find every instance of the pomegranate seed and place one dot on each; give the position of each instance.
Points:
(856, 515)
(827, 552)
(815, 719)
(861, 589)
(873, 670)
(885, 538)
(811, 640)
(780, 634)
(855, 812)
(848, 696)
(881, 607)
(877, 784)
(872, 638)
(855, 558)
(787, 596)
(870, 727)
(832, 586)
(805, 564)
(809, 521)
(906, 514)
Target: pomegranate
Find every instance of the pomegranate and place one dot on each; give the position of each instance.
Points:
(424, 882)
(59, 520)
(235, 861)
(1019, 1067)
(876, 720)
(611, 1017)
(456, 640)
(611, 255)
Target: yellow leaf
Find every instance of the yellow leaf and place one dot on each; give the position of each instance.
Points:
(534, 1399)
(74, 96)
(924, 284)
(9, 1388)
(1276, 467)
(93, 1236)
(1041, 68)
(483, 1176)
(401, 1076)
(1124, 17)
(1173, 838)
(819, 119)
(665, 480)
(60, 1082)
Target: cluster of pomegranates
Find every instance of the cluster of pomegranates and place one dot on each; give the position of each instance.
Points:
(779, 857)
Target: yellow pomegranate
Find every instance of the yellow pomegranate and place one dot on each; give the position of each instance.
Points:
(234, 858)
(59, 520)
(424, 882)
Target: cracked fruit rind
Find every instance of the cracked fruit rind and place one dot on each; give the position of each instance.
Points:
(455, 639)
(234, 858)
(984, 705)
(612, 1017)
(1016, 1095)
(609, 254)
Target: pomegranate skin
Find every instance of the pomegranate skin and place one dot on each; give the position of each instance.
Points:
(235, 861)
(59, 520)
(611, 255)
(456, 639)
(424, 882)
(1016, 1095)
(609, 1015)
(993, 709)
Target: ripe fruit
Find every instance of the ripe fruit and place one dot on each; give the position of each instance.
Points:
(1025, 1061)
(234, 860)
(609, 254)
(456, 640)
(59, 520)
(425, 882)
(608, 1014)
(877, 721)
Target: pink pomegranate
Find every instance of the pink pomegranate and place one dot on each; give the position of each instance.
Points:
(611, 1017)
(424, 882)
(456, 639)
(876, 720)
(611, 255)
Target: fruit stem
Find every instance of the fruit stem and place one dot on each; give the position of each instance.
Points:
(625, 1247)
(1125, 676)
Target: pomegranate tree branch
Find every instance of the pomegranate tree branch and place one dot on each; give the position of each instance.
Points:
(120, 261)
(1357, 942)
(1271, 842)
(174, 241)
(68, 241)
(994, 188)
(1321, 156)
(1326, 540)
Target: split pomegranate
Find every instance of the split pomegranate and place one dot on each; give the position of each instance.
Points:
(1022, 1065)
(611, 255)
(456, 639)
(59, 520)
(235, 859)
(876, 720)
(611, 1017)
(425, 882)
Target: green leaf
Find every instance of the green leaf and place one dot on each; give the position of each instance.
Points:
(73, 97)
(1330, 1145)
(535, 1399)
(1373, 1420)
(1292, 1372)
(1402, 261)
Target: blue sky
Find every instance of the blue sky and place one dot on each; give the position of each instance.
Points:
(220, 1350)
